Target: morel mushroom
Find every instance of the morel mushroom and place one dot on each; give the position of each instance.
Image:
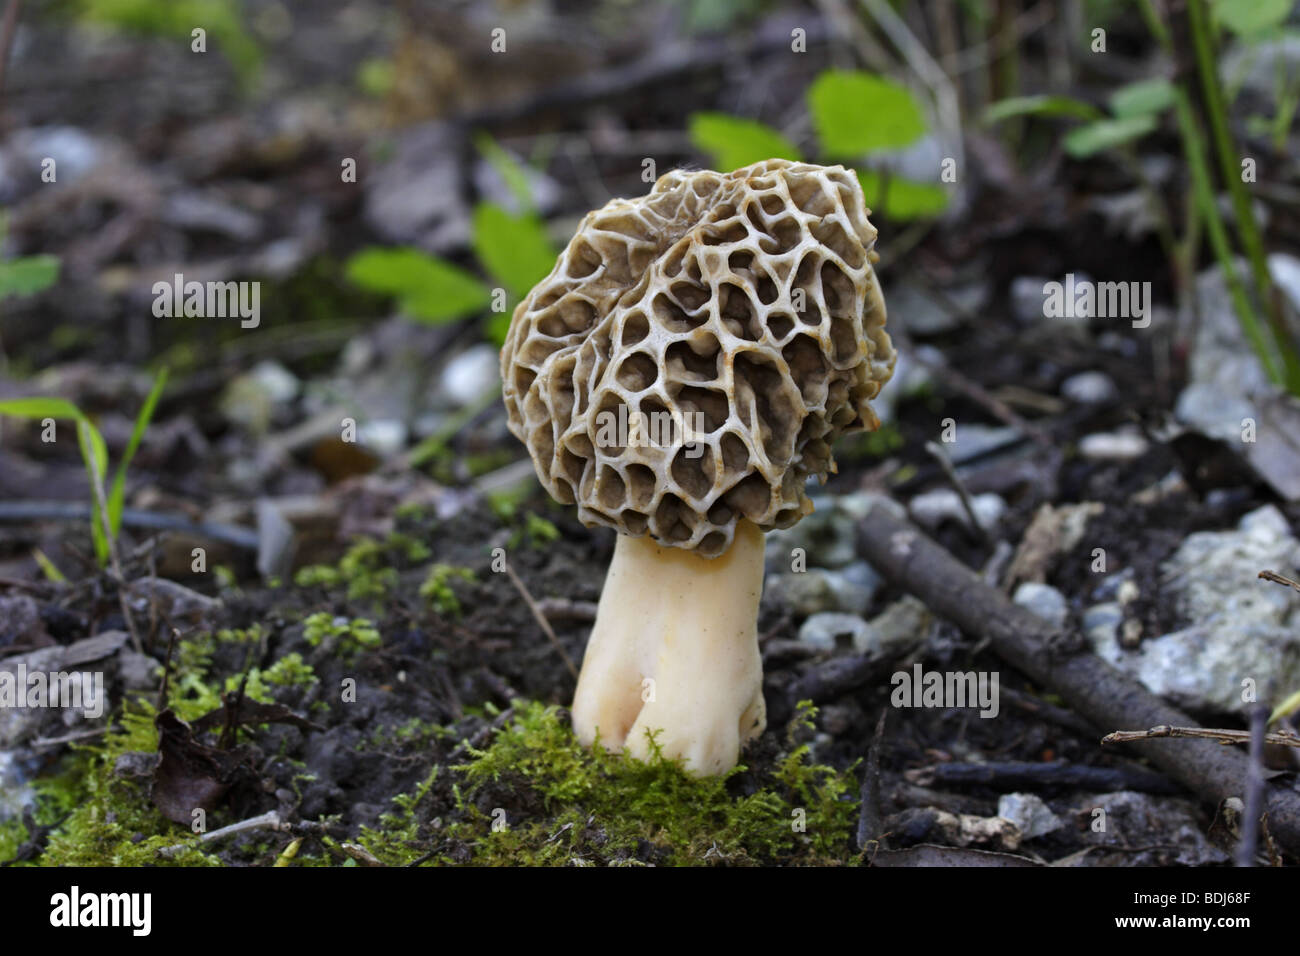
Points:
(679, 375)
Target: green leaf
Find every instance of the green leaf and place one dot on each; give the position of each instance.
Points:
(94, 453)
(1250, 18)
(177, 18)
(498, 327)
(734, 142)
(1286, 708)
(856, 113)
(1142, 97)
(48, 567)
(1107, 134)
(513, 249)
(1040, 106)
(39, 408)
(428, 288)
(514, 176)
(117, 493)
(903, 199)
(28, 275)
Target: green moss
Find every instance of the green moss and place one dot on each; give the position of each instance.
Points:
(536, 796)
(530, 528)
(367, 569)
(251, 635)
(290, 671)
(539, 531)
(13, 833)
(415, 734)
(398, 841)
(112, 821)
(437, 589)
(350, 637)
(193, 693)
(189, 692)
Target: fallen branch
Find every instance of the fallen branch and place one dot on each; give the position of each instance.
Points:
(1024, 775)
(1060, 662)
(1283, 738)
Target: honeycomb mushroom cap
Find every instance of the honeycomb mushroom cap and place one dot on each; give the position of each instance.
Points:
(742, 303)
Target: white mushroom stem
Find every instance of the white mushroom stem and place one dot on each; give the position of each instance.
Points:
(675, 650)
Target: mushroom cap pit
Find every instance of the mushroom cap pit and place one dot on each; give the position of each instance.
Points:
(695, 351)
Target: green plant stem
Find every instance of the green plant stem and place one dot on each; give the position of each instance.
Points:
(1251, 241)
(1156, 25)
(1218, 234)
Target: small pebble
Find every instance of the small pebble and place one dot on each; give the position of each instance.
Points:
(933, 508)
(1089, 388)
(1113, 446)
(824, 631)
(1044, 601)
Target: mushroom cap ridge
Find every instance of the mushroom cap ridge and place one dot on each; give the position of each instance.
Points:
(695, 351)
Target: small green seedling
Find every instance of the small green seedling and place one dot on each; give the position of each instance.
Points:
(106, 508)
(512, 248)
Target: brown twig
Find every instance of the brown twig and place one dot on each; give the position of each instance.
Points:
(939, 455)
(41, 742)
(541, 620)
(980, 395)
(1279, 579)
(1282, 738)
(1009, 775)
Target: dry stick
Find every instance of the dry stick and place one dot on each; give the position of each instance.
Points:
(1012, 775)
(1103, 695)
(540, 618)
(1279, 579)
(1282, 738)
(980, 395)
(41, 742)
(268, 819)
(945, 463)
